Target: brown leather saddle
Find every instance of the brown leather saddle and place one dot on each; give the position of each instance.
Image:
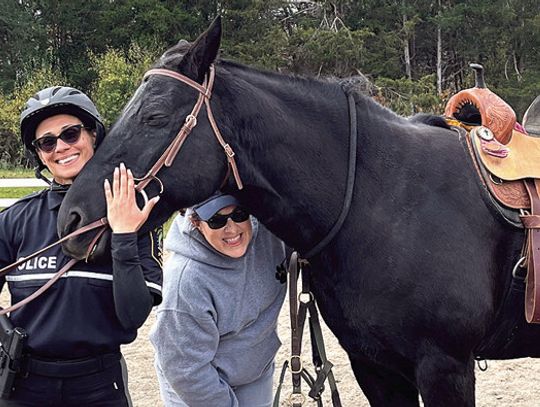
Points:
(508, 163)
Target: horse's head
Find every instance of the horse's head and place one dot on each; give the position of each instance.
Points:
(146, 128)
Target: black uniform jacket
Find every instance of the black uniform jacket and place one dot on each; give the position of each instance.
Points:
(76, 317)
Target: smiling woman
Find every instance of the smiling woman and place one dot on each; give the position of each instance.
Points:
(60, 128)
(223, 224)
(64, 146)
(220, 293)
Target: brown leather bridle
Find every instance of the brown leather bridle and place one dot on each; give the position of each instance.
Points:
(166, 159)
(168, 156)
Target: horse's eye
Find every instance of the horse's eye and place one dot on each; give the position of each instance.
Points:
(156, 120)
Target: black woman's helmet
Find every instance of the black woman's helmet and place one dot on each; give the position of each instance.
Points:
(52, 101)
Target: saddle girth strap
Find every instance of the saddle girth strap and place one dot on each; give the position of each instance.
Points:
(532, 223)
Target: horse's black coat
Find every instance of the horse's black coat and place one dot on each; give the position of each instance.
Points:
(413, 280)
(430, 119)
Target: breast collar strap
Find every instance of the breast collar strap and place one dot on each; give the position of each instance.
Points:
(168, 156)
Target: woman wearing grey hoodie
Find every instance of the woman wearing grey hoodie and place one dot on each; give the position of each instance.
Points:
(215, 335)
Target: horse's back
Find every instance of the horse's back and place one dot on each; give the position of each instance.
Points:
(419, 245)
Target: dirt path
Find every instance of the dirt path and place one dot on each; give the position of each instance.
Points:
(507, 383)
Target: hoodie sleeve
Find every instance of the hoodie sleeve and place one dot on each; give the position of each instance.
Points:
(185, 347)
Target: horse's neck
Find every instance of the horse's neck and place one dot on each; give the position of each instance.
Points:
(292, 155)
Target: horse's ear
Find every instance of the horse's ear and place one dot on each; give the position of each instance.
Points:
(174, 55)
(203, 52)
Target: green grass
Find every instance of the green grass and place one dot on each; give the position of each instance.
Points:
(17, 192)
(16, 173)
(167, 225)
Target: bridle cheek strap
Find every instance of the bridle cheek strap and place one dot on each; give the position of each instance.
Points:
(168, 156)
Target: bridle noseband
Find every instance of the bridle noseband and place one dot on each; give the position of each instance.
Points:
(168, 156)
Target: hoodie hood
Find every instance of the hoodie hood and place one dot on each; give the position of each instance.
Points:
(184, 239)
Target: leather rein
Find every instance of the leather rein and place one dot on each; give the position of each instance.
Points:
(167, 158)
(351, 177)
(100, 223)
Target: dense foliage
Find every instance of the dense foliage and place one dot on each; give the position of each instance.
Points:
(414, 52)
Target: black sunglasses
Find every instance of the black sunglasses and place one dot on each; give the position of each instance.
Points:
(218, 221)
(69, 135)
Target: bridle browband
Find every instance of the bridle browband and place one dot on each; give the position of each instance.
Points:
(168, 156)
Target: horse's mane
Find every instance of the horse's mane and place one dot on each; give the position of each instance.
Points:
(288, 80)
(331, 87)
(267, 86)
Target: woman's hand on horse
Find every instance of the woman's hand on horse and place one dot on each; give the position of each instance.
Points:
(123, 213)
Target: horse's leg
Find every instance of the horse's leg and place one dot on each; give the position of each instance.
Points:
(383, 387)
(444, 381)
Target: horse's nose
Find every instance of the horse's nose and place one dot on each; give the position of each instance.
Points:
(71, 223)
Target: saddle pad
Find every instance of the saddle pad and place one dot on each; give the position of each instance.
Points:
(522, 160)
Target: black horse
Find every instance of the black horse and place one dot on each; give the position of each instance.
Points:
(413, 280)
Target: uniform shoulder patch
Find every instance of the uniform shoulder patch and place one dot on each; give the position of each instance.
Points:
(156, 236)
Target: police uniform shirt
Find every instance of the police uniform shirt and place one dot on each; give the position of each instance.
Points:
(76, 316)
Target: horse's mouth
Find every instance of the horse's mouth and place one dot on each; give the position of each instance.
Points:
(84, 247)
(91, 246)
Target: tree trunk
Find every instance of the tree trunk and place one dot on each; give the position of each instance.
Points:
(406, 50)
(439, 55)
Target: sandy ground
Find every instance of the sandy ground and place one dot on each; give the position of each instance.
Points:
(506, 383)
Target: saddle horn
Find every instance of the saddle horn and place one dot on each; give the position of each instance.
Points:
(478, 75)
